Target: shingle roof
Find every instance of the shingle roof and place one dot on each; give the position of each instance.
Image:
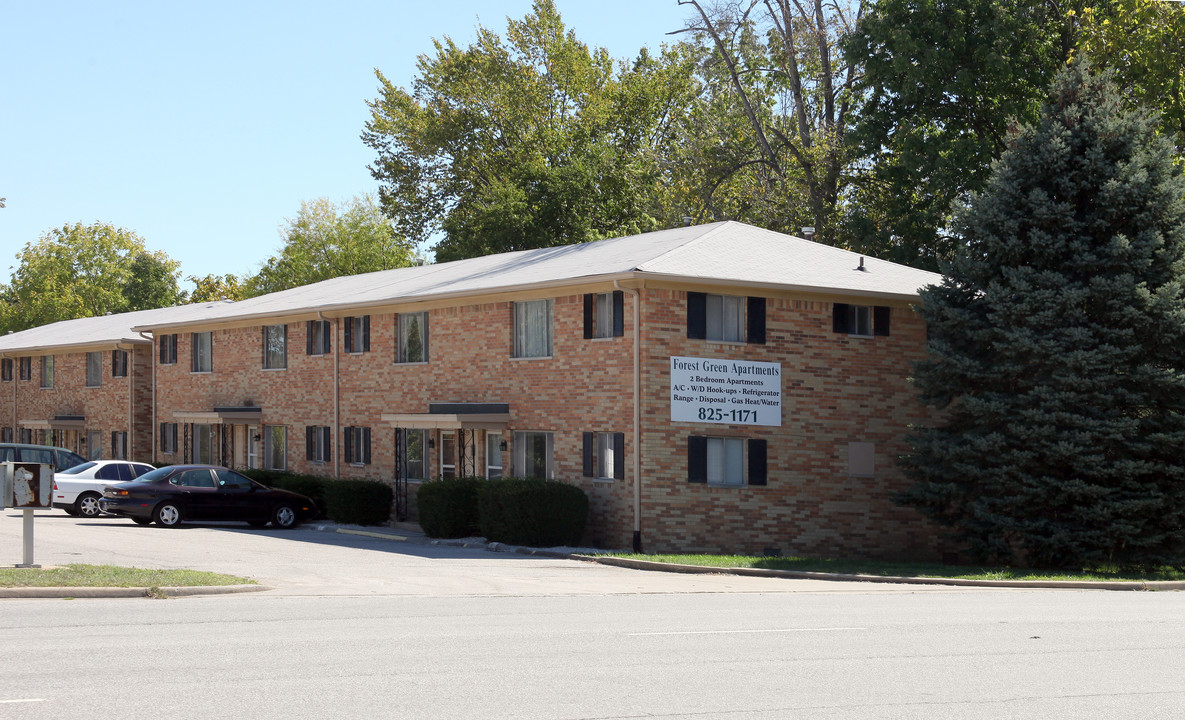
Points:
(726, 252)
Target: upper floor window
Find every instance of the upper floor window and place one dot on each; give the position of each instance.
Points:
(47, 371)
(532, 328)
(317, 337)
(6, 369)
(604, 315)
(726, 460)
(413, 337)
(725, 318)
(275, 347)
(119, 363)
(357, 334)
(26, 368)
(168, 349)
(94, 369)
(864, 320)
(203, 352)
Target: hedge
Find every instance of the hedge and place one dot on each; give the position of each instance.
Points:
(351, 502)
(528, 511)
(448, 508)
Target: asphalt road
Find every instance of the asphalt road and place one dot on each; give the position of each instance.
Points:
(363, 628)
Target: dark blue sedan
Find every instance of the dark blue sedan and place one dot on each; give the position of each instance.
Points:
(179, 493)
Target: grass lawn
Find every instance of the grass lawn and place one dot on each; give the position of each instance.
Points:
(872, 567)
(112, 576)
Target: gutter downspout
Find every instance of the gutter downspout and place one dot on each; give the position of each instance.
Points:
(130, 444)
(15, 376)
(153, 358)
(637, 303)
(336, 396)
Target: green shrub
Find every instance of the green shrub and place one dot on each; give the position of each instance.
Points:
(528, 511)
(358, 502)
(310, 485)
(448, 508)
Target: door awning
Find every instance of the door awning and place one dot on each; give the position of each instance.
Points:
(57, 422)
(454, 416)
(222, 415)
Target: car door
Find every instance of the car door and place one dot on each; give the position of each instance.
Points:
(236, 497)
(195, 490)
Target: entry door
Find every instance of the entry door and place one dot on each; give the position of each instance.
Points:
(448, 454)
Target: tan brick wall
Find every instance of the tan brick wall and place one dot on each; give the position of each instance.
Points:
(836, 390)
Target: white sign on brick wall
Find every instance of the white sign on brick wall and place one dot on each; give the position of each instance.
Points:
(726, 392)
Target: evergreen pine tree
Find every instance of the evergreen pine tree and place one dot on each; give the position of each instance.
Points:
(1057, 347)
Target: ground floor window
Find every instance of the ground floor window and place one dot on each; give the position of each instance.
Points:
(275, 447)
(726, 460)
(203, 444)
(317, 443)
(533, 454)
(604, 455)
(415, 454)
(448, 455)
(119, 445)
(493, 455)
(94, 445)
(168, 438)
(357, 445)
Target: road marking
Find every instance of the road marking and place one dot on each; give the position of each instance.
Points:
(29, 700)
(737, 632)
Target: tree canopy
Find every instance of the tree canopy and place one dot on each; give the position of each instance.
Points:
(326, 240)
(527, 141)
(82, 270)
(1055, 344)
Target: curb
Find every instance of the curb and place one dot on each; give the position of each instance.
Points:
(652, 566)
(126, 592)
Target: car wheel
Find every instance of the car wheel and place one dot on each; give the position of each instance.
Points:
(168, 514)
(284, 517)
(142, 521)
(87, 505)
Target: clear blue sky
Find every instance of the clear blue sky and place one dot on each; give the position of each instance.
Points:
(202, 126)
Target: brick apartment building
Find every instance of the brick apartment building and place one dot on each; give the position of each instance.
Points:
(716, 387)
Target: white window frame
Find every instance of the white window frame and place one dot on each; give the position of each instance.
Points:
(448, 454)
(533, 329)
(319, 332)
(493, 455)
(119, 445)
(275, 447)
(203, 443)
(203, 352)
(404, 322)
(523, 439)
(47, 371)
(119, 363)
(94, 369)
(860, 320)
(169, 343)
(602, 315)
(722, 452)
(320, 450)
(603, 455)
(275, 347)
(725, 318)
(94, 445)
(168, 438)
(423, 451)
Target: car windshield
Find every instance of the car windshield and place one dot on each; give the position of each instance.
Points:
(153, 475)
(77, 469)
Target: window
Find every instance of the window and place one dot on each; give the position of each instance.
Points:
(168, 349)
(604, 455)
(275, 347)
(493, 455)
(194, 479)
(94, 445)
(119, 445)
(275, 447)
(47, 371)
(6, 435)
(317, 337)
(415, 454)
(231, 481)
(725, 318)
(94, 369)
(604, 315)
(357, 332)
(26, 436)
(119, 363)
(357, 445)
(413, 338)
(861, 459)
(532, 328)
(317, 440)
(168, 438)
(723, 461)
(26, 368)
(861, 320)
(203, 352)
(203, 444)
(448, 455)
(6, 370)
(532, 454)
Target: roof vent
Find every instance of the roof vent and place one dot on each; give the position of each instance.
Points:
(687, 220)
(861, 267)
(808, 233)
